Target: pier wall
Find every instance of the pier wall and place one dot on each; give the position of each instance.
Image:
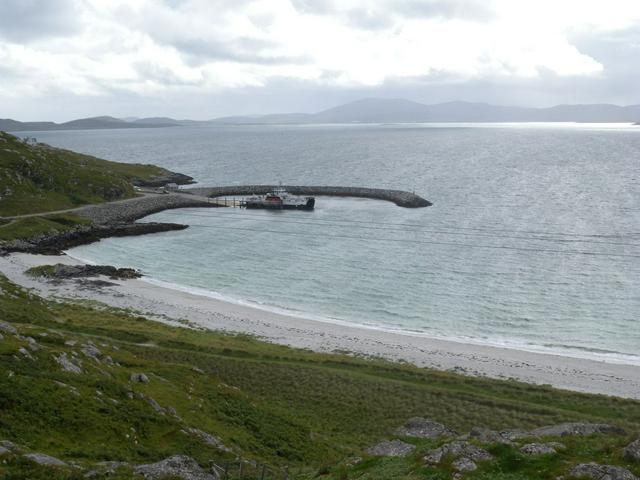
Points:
(399, 197)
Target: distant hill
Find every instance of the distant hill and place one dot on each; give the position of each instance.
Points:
(93, 123)
(369, 110)
(382, 110)
(160, 122)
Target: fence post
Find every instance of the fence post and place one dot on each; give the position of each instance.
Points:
(240, 470)
(286, 473)
(226, 470)
(264, 467)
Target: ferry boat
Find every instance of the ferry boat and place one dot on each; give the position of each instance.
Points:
(279, 199)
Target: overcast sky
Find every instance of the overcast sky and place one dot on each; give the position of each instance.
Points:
(64, 59)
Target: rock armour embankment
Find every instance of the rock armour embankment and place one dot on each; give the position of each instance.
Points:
(126, 211)
(399, 197)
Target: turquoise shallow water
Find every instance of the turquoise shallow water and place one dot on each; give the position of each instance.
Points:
(533, 240)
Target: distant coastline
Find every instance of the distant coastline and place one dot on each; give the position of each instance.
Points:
(372, 110)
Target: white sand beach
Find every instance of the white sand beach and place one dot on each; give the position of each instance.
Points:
(170, 305)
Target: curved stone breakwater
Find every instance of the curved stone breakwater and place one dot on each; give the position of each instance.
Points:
(399, 197)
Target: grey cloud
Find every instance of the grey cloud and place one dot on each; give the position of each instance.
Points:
(28, 20)
(377, 16)
(369, 20)
(160, 74)
(314, 7)
(241, 50)
(619, 53)
(463, 9)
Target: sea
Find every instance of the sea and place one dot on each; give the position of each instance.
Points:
(532, 242)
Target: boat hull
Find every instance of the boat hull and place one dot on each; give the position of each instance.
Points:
(309, 205)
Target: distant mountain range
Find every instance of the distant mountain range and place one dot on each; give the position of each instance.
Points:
(93, 123)
(377, 110)
(372, 110)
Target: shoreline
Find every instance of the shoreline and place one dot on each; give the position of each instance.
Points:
(177, 307)
(614, 358)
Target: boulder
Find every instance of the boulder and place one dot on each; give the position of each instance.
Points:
(91, 351)
(535, 449)
(66, 364)
(458, 449)
(632, 452)
(32, 344)
(139, 378)
(25, 353)
(155, 405)
(391, 448)
(484, 435)
(464, 464)
(419, 427)
(4, 450)
(580, 429)
(178, 466)
(45, 460)
(601, 472)
(6, 328)
(8, 445)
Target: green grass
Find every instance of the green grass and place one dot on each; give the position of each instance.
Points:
(40, 178)
(41, 271)
(270, 403)
(29, 227)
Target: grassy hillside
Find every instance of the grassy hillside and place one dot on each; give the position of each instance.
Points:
(264, 402)
(25, 228)
(39, 178)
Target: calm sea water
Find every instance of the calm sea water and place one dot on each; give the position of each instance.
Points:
(533, 240)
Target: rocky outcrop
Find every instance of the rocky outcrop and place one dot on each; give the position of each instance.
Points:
(458, 449)
(105, 469)
(535, 449)
(632, 452)
(113, 219)
(8, 445)
(601, 472)
(485, 435)
(67, 364)
(399, 197)
(419, 427)
(178, 466)
(464, 465)
(91, 351)
(579, 429)
(139, 378)
(55, 243)
(45, 460)
(391, 448)
(6, 328)
(163, 179)
(64, 272)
